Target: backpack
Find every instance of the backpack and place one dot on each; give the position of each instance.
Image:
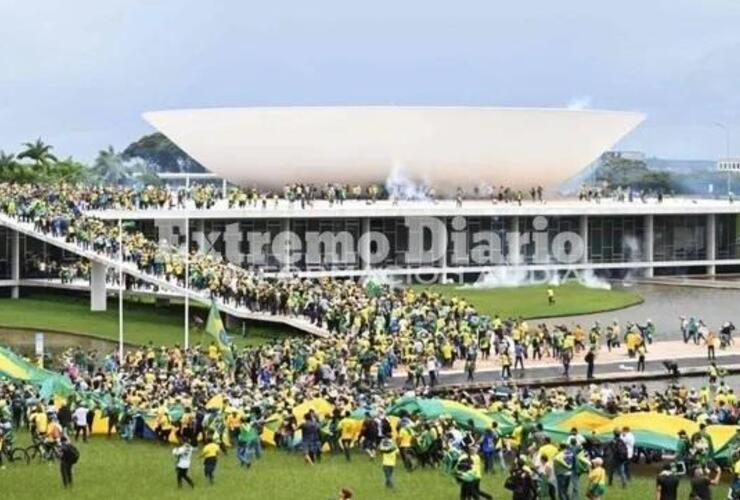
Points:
(74, 454)
(621, 450)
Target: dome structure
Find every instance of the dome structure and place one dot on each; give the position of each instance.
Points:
(445, 147)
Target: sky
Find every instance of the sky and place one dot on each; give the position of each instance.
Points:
(79, 73)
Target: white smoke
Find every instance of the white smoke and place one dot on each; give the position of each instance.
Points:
(589, 279)
(400, 186)
(511, 277)
(579, 102)
(381, 278)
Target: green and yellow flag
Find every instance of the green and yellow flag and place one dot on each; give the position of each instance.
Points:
(215, 328)
(14, 367)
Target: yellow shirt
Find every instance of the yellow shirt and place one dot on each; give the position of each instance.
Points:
(404, 438)
(233, 421)
(42, 422)
(597, 476)
(347, 429)
(210, 450)
(548, 450)
(389, 457)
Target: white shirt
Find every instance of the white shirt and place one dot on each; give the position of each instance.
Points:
(80, 416)
(184, 455)
(629, 441)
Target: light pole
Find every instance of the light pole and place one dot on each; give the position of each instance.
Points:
(727, 152)
(186, 343)
(120, 291)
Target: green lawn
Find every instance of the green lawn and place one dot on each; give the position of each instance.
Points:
(143, 322)
(531, 301)
(111, 469)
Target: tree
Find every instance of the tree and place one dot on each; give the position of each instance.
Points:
(39, 153)
(8, 165)
(161, 154)
(111, 167)
(68, 170)
(618, 171)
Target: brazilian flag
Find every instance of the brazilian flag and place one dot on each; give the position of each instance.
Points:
(373, 288)
(215, 328)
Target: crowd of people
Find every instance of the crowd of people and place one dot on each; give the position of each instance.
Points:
(374, 331)
(172, 388)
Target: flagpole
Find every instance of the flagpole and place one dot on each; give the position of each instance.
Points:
(187, 281)
(120, 290)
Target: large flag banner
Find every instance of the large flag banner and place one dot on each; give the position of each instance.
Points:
(215, 328)
(14, 367)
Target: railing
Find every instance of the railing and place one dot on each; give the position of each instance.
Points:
(130, 269)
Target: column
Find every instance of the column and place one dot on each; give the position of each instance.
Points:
(98, 299)
(711, 244)
(365, 248)
(514, 256)
(443, 239)
(286, 256)
(15, 262)
(648, 244)
(583, 231)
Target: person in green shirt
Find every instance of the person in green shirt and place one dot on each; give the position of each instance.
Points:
(247, 435)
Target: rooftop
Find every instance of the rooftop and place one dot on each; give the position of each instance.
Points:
(470, 208)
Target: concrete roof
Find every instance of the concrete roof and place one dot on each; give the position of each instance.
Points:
(444, 146)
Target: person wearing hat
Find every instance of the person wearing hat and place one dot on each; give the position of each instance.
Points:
(389, 453)
(596, 480)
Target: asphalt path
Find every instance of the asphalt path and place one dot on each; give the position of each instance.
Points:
(553, 372)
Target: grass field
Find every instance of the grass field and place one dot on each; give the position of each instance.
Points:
(531, 301)
(111, 469)
(143, 322)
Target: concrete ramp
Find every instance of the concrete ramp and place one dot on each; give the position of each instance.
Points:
(163, 284)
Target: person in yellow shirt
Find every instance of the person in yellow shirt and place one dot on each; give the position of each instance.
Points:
(405, 439)
(209, 454)
(596, 480)
(54, 431)
(389, 452)
(548, 449)
(233, 423)
(40, 421)
(346, 434)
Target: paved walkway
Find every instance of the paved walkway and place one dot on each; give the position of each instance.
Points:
(664, 304)
(615, 362)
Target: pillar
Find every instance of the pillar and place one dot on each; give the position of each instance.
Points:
(443, 239)
(583, 231)
(98, 300)
(365, 248)
(711, 244)
(648, 245)
(15, 262)
(286, 256)
(514, 250)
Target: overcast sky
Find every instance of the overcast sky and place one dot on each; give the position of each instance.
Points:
(80, 73)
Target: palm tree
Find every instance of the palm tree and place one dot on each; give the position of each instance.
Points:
(7, 165)
(6, 160)
(109, 168)
(39, 153)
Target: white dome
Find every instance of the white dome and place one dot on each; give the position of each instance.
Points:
(445, 146)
